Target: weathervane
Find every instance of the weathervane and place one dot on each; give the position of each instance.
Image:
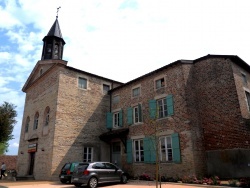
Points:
(57, 12)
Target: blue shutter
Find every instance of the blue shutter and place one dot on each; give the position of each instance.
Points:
(152, 109)
(109, 120)
(129, 151)
(170, 105)
(146, 148)
(176, 148)
(120, 118)
(130, 116)
(140, 112)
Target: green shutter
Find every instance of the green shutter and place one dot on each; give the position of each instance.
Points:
(146, 148)
(130, 116)
(152, 150)
(109, 120)
(152, 109)
(149, 149)
(129, 151)
(170, 105)
(120, 118)
(176, 148)
(140, 112)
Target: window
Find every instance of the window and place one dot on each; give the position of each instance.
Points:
(41, 72)
(87, 154)
(248, 99)
(82, 83)
(159, 83)
(106, 88)
(244, 78)
(46, 114)
(134, 115)
(162, 108)
(27, 124)
(110, 166)
(166, 151)
(116, 99)
(36, 121)
(136, 92)
(116, 119)
(138, 151)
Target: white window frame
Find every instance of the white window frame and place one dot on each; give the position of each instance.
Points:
(160, 83)
(87, 153)
(80, 85)
(136, 92)
(116, 117)
(136, 115)
(162, 109)
(167, 155)
(139, 151)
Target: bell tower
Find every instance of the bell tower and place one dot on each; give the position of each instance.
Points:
(53, 43)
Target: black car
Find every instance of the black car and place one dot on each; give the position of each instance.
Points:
(92, 174)
(67, 171)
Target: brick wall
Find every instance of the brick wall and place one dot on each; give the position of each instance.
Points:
(176, 79)
(9, 160)
(219, 108)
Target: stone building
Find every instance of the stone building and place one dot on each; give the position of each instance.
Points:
(195, 112)
(63, 114)
(192, 115)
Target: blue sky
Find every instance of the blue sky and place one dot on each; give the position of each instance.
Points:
(117, 39)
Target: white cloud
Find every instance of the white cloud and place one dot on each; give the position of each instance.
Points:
(120, 39)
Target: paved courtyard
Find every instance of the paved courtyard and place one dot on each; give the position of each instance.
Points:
(130, 184)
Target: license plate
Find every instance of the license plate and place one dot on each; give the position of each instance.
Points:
(62, 176)
(76, 179)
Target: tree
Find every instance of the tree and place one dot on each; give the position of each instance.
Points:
(3, 147)
(7, 122)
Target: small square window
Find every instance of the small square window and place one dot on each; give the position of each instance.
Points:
(82, 83)
(116, 99)
(159, 83)
(136, 92)
(105, 88)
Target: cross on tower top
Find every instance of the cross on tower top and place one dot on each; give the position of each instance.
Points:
(57, 12)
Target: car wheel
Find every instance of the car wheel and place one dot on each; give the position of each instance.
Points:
(124, 179)
(93, 182)
(77, 184)
(63, 181)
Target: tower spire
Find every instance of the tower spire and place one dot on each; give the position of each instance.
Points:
(53, 43)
